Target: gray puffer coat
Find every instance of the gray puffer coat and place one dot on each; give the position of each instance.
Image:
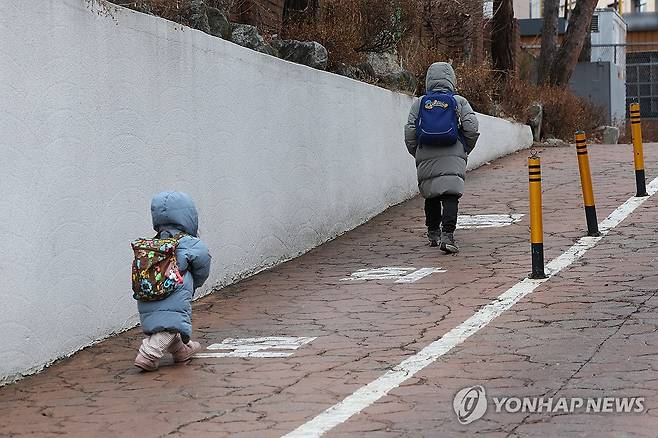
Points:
(442, 169)
(173, 213)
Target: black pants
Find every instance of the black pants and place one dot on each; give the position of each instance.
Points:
(442, 210)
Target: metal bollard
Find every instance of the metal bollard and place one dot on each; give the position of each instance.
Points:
(536, 226)
(586, 183)
(636, 132)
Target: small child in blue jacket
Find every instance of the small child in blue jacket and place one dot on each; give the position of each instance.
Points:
(168, 322)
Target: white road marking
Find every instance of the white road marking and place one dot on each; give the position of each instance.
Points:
(400, 275)
(417, 275)
(256, 347)
(373, 391)
(467, 221)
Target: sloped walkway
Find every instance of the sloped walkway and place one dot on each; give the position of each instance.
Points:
(588, 331)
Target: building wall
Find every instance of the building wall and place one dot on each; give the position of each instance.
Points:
(628, 6)
(533, 8)
(106, 111)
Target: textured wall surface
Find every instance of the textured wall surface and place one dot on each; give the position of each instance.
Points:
(101, 112)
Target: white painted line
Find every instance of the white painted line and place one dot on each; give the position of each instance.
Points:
(260, 354)
(385, 273)
(256, 347)
(467, 221)
(400, 275)
(417, 275)
(370, 393)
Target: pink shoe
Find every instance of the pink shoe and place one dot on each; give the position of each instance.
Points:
(184, 352)
(145, 363)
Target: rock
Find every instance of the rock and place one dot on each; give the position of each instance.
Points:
(610, 135)
(383, 64)
(308, 53)
(403, 80)
(349, 71)
(367, 70)
(195, 13)
(535, 120)
(495, 109)
(218, 23)
(247, 36)
(386, 69)
(555, 142)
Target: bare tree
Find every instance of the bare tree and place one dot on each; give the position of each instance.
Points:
(577, 30)
(549, 42)
(502, 37)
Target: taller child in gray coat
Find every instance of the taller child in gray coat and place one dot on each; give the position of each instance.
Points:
(441, 169)
(168, 323)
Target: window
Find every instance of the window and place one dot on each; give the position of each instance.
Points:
(594, 24)
(535, 8)
(639, 5)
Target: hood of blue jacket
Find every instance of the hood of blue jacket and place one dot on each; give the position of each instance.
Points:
(440, 77)
(174, 210)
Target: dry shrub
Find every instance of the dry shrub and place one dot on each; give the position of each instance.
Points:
(564, 112)
(175, 10)
(416, 56)
(336, 27)
(649, 132)
(478, 84)
(349, 28)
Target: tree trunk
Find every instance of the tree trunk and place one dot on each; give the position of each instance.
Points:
(586, 51)
(502, 37)
(577, 31)
(549, 33)
(475, 37)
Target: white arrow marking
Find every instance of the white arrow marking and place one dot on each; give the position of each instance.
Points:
(417, 275)
(400, 275)
(468, 221)
(256, 347)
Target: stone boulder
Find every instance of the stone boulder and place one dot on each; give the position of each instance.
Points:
(555, 142)
(195, 13)
(218, 23)
(248, 36)
(610, 135)
(308, 53)
(388, 72)
(535, 120)
(383, 64)
(402, 80)
(351, 71)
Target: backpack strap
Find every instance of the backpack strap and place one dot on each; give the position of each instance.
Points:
(177, 236)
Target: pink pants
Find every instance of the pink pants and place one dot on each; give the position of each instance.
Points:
(155, 345)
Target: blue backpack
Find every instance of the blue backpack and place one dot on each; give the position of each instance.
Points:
(438, 121)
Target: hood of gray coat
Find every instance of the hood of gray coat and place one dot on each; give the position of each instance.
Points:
(440, 76)
(174, 210)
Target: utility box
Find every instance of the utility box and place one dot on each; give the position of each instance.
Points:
(603, 79)
(593, 80)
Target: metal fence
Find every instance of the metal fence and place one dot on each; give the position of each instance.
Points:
(640, 63)
(642, 78)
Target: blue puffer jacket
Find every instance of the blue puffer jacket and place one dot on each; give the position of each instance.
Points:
(172, 213)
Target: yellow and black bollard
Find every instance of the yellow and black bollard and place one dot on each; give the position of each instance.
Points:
(536, 226)
(636, 132)
(586, 183)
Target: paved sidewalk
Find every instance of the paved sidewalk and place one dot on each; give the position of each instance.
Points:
(589, 331)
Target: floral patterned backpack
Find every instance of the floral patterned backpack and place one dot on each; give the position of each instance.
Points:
(155, 271)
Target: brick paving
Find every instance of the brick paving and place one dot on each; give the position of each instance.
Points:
(588, 331)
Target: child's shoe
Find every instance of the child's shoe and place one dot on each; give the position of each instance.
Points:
(145, 363)
(184, 352)
(434, 236)
(448, 244)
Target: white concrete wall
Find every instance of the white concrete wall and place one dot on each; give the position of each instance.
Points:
(99, 113)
